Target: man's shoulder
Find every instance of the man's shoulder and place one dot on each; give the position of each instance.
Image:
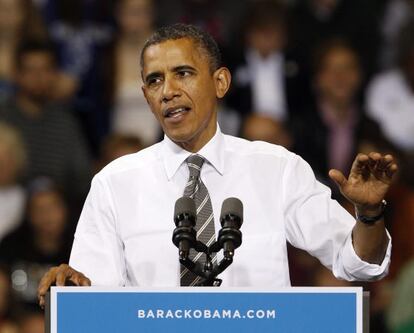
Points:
(144, 158)
(245, 147)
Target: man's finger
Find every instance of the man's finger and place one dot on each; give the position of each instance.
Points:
(41, 301)
(84, 281)
(338, 177)
(46, 281)
(63, 273)
(79, 279)
(391, 170)
(360, 164)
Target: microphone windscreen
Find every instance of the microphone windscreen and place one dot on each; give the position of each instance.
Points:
(185, 205)
(232, 206)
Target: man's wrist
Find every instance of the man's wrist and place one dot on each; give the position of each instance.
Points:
(370, 214)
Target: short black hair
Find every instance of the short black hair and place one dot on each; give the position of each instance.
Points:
(178, 31)
(35, 46)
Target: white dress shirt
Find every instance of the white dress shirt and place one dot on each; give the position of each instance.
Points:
(391, 103)
(12, 203)
(268, 91)
(125, 230)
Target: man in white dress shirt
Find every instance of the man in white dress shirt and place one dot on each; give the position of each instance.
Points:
(124, 232)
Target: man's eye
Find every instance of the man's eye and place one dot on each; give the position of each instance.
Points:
(184, 73)
(153, 81)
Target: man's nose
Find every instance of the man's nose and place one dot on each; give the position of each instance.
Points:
(170, 90)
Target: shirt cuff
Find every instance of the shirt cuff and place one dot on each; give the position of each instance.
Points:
(357, 269)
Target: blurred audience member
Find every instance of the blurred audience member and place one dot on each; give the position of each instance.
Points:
(390, 99)
(6, 323)
(391, 95)
(131, 115)
(12, 162)
(76, 42)
(19, 20)
(80, 33)
(55, 146)
(397, 14)
(116, 146)
(41, 242)
(219, 18)
(264, 128)
(32, 322)
(314, 21)
(401, 311)
(326, 134)
(265, 79)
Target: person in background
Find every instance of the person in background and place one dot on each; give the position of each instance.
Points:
(80, 30)
(396, 14)
(313, 21)
(390, 97)
(55, 145)
(326, 132)
(265, 79)
(12, 163)
(7, 324)
(39, 243)
(130, 116)
(219, 18)
(19, 20)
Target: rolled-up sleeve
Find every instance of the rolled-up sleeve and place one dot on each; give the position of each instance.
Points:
(354, 269)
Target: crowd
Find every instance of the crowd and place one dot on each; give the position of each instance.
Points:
(324, 78)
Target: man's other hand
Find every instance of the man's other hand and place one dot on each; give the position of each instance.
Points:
(368, 181)
(60, 276)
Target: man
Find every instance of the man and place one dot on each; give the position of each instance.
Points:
(124, 232)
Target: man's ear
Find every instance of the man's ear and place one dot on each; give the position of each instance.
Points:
(222, 79)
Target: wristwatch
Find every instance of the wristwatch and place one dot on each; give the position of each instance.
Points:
(370, 220)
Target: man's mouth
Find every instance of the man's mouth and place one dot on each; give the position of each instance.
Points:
(176, 111)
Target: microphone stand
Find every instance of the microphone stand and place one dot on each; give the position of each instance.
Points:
(209, 271)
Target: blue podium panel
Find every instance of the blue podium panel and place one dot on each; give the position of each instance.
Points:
(127, 310)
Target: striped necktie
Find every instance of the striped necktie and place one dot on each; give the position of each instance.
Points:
(196, 189)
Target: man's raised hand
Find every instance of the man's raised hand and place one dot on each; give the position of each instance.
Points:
(369, 180)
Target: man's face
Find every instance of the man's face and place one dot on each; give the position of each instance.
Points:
(182, 91)
(37, 75)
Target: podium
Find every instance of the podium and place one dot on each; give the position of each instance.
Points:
(204, 309)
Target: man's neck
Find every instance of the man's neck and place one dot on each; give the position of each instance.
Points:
(28, 105)
(197, 143)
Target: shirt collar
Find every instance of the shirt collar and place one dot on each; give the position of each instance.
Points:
(173, 155)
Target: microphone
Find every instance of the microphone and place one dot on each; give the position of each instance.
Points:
(231, 219)
(184, 235)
